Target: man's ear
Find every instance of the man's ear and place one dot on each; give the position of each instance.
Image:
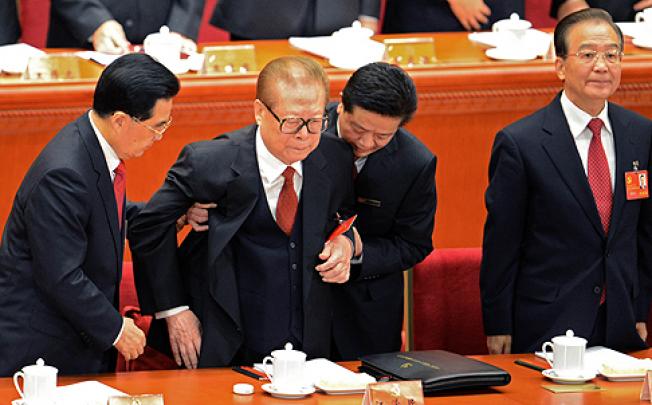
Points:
(119, 121)
(560, 68)
(258, 111)
(340, 108)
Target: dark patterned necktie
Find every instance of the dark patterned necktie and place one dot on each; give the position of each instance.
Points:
(286, 209)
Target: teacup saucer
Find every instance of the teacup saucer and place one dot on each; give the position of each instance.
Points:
(643, 42)
(510, 54)
(582, 377)
(300, 393)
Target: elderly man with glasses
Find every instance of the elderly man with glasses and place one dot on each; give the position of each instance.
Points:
(568, 237)
(260, 276)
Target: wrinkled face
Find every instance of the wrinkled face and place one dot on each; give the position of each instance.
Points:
(589, 84)
(366, 131)
(303, 100)
(134, 137)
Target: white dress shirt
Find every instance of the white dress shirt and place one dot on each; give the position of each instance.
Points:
(578, 121)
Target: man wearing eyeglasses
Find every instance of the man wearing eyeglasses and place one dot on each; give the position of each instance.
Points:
(62, 247)
(566, 245)
(259, 277)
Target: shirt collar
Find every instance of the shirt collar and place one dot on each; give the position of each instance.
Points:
(112, 159)
(269, 165)
(578, 119)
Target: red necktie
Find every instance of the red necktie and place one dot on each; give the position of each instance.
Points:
(600, 181)
(286, 209)
(119, 189)
(598, 173)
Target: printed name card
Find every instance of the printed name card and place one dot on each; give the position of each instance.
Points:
(647, 387)
(394, 393)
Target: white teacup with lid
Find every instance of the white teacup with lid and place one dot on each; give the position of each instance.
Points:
(514, 29)
(567, 354)
(288, 369)
(165, 47)
(39, 383)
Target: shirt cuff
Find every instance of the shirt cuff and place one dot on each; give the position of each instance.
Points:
(168, 313)
(122, 328)
(357, 259)
(367, 17)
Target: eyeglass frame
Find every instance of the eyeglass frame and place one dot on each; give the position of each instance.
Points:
(304, 123)
(596, 55)
(158, 132)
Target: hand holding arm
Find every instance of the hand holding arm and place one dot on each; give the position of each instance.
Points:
(499, 344)
(110, 38)
(470, 13)
(132, 340)
(196, 216)
(337, 267)
(185, 338)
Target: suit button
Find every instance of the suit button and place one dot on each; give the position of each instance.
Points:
(292, 245)
(129, 23)
(597, 289)
(294, 266)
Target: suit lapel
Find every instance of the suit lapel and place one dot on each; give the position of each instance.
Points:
(314, 212)
(104, 183)
(561, 148)
(625, 156)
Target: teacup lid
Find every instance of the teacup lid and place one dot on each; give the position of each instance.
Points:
(514, 21)
(288, 353)
(39, 368)
(355, 31)
(569, 339)
(163, 35)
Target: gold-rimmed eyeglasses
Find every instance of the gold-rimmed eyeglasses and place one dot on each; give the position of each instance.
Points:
(160, 131)
(611, 56)
(292, 125)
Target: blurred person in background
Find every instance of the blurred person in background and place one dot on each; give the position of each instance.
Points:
(620, 10)
(9, 23)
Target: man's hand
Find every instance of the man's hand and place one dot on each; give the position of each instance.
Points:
(188, 46)
(638, 6)
(196, 216)
(470, 13)
(185, 338)
(110, 38)
(499, 344)
(358, 242)
(369, 22)
(337, 267)
(641, 329)
(132, 341)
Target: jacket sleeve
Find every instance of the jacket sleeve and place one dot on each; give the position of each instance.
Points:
(56, 215)
(370, 8)
(410, 238)
(82, 17)
(185, 17)
(505, 200)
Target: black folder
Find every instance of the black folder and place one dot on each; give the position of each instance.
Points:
(438, 370)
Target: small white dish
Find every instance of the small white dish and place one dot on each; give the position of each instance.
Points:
(643, 42)
(331, 390)
(302, 392)
(622, 377)
(510, 54)
(578, 379)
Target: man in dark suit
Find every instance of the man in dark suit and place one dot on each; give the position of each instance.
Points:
(270, 19)
(395, 201)
(111, 25)
(620, 10)
(10, 26)
(564, 247)
(253, 281)
(61, 252)
(450, 15)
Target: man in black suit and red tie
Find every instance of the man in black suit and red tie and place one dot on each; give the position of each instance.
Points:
(62, 247)
(564, 246)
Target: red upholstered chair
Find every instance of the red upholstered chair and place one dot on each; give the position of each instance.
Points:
(150, 359)
(446, 311)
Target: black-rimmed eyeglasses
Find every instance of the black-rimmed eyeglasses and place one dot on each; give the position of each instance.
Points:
(292, 125)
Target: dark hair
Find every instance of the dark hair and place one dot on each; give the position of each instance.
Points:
(382, 89)
(290, 69)
(588, 14)
(133, 84)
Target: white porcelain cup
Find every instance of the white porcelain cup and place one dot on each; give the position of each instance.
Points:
(567, 354)
(165, 47)
(288, 369)
(514, 29)
(39, 383)
(644, 16)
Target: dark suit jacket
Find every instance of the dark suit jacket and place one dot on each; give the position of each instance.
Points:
(620, 10)
(9, 26)
(396, 201)
(61, 260)
(73, 22)
(267, 19)
(225, 171)
(545, 254)
(436, 15)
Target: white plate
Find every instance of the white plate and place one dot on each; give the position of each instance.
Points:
(508, 54)
(340, 391)
(302, 392)
(582, 378)
(623, 377)
(642, 42)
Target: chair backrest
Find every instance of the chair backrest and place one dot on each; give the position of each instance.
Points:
(446, 310)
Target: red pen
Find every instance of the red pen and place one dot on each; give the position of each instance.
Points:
(342, 227)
